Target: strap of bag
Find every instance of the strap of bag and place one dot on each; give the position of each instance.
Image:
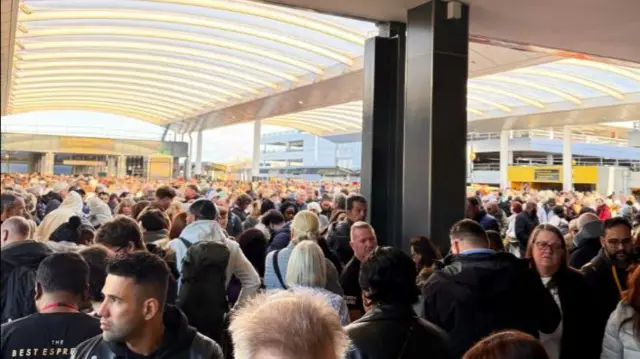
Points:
(406, 341)
(185, 242)
(276, 268)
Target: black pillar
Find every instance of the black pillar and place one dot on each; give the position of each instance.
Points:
(382, 131)
(435, 124)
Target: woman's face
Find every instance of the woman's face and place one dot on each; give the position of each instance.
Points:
(223, 219)
(417, 257)
(548, 253)
(127, 210)
(289, 213)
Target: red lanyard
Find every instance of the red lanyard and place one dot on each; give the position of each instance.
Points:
(58, 305)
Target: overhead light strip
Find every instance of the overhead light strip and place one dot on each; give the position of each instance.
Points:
(116, 95)
(115, 46)
(572, 78)
(36, 60)
(149, 75)
(495, 104)
(162, 112)
(55, 86)
(525, 99)
(113, 79)
(125, 31)
(602, 66)
(517, 81)
(175, 18)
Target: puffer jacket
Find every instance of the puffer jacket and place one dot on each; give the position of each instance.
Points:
(180, 342)
(619, 339)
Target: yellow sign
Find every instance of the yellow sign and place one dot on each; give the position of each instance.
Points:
(160, 166)
(552, 174)
(83, 163)
(86, 145)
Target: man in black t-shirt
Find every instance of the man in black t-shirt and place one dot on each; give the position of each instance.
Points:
(363, 242)
(58, 327)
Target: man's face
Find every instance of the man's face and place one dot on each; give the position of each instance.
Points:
(189, 193)
(301, 197)
(17, 209)
(104, 197)
(358, 212)
(121, 311)
(471, 210)
(164, 203)
(618, 244)
(326, 205)
(363, 242)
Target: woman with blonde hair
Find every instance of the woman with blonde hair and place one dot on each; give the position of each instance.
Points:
(125, 207)
(305, 226)
(307, 273)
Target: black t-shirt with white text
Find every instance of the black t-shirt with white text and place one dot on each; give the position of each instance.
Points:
(52, 335)
(349, 280)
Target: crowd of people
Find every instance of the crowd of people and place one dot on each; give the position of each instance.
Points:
(133, 268)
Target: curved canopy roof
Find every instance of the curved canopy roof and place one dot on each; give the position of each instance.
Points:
(166, 60)
(568, 84)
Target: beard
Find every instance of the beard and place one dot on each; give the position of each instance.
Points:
(116, 333)
(620, 259)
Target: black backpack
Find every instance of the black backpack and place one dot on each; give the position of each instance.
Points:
(203, 295)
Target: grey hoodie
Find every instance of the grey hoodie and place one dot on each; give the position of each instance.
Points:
(589, 231)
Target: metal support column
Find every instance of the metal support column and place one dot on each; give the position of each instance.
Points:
(198, 167)
(504, 159)
(121, 167)
(49, 163)
(435, 126)
(255, 160)
(567, 160)
(187, 161)
(382, 131)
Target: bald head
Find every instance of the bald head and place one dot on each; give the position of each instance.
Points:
(586, 218)
(14, 229)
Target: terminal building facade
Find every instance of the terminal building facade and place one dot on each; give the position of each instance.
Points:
(600, 163)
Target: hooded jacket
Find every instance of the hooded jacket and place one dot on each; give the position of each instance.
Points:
(20, 261)
(281, 238)
(99, 212)
(238, 266)
(620, 341)
(71, 206)
(587, 244)
(477, 294)
(180, 342)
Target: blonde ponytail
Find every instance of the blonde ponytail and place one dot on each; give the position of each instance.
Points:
(305, 226)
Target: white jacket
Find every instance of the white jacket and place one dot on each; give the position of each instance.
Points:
(620, 342)
(71, 206)
(238, 266)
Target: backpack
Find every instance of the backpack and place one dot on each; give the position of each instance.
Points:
(203, 295)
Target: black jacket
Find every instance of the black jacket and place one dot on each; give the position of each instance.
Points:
(525, 224)
(475, 295)
(234, 225)
(487, 221)
(338, 237)
(54, 201)
(242, 215)
(580, 337)
(180, 342)
(20, 262)
(604, 290)
(587, 243)
(396, 332)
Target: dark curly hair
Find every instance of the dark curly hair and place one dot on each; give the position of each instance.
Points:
(389, 277)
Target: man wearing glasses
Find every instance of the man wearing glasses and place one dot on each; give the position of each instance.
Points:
(606, 274)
